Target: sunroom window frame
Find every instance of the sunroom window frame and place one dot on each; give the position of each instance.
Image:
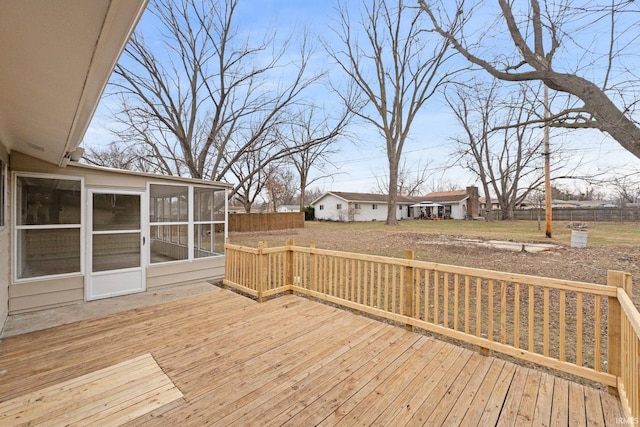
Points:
(17, 227)
(190, 223)
(211, 222)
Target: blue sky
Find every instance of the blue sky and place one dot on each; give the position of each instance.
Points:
(359, 164)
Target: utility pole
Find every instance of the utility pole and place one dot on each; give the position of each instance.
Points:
(548, 211)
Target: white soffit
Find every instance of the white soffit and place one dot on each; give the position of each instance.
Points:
(56, 58)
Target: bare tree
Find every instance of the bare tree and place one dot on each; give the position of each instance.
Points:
(250, 176)
(627, 188)
(312, 194)
(394, 70)
(411, 179)
(115, 156)
(317, 133)
(506, 159)
(557, 43)
(439, 184)
(209, 93)
(281, 186)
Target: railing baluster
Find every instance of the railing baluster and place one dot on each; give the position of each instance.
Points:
(597, 335)
(562, 302)
(478, 307)
(531, 332)
(436, 297)
(352, 277)
(466, 304)
(371, 283)
(386, 287)
(579, 328)
(427, 290)
(408, 282)
(516, 315)
(445, 300)
(417, 291)
(490, 312)
(379, 286)
(456, 289)
(546, 323)
(400, 308)
(503, 312)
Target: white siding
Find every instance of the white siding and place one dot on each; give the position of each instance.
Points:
(457, 212)
(367, 213)
(405, 212)
(329, 210)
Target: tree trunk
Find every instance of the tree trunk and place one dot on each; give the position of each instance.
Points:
(392, 218)
(488, 215)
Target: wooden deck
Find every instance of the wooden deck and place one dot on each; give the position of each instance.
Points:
(291, 361)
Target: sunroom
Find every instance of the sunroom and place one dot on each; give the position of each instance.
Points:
(83, 233)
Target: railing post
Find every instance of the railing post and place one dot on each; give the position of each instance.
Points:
(313, 269)
(614, 327)
(263, 274)
(289, 279)
(409, 289)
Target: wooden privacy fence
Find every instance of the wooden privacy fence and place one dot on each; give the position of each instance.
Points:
(584, 329)
(576, 214)
(265, 221)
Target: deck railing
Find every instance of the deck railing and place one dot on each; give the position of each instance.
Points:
(584, 329)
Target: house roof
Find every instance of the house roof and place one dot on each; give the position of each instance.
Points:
(173, 178)
(446, 196)
(57, 57)
(365, 197)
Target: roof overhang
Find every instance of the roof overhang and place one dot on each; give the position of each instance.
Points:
(57, 57)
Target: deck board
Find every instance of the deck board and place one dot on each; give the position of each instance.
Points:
(108, 396)
(290, 361)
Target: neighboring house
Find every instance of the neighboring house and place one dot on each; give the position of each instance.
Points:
(459, 204)
(69, 232)
(342, 206)
(288, 208)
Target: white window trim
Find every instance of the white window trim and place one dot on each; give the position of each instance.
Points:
(190, 222)
(16, 227)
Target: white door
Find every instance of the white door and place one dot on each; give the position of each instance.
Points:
(115, 244)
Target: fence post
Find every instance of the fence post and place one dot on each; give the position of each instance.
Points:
(313, 269)
(289, 279)
(614, 327)
(263, 274)
(409, 289)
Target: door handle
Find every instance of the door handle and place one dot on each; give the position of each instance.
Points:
(144, 240)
